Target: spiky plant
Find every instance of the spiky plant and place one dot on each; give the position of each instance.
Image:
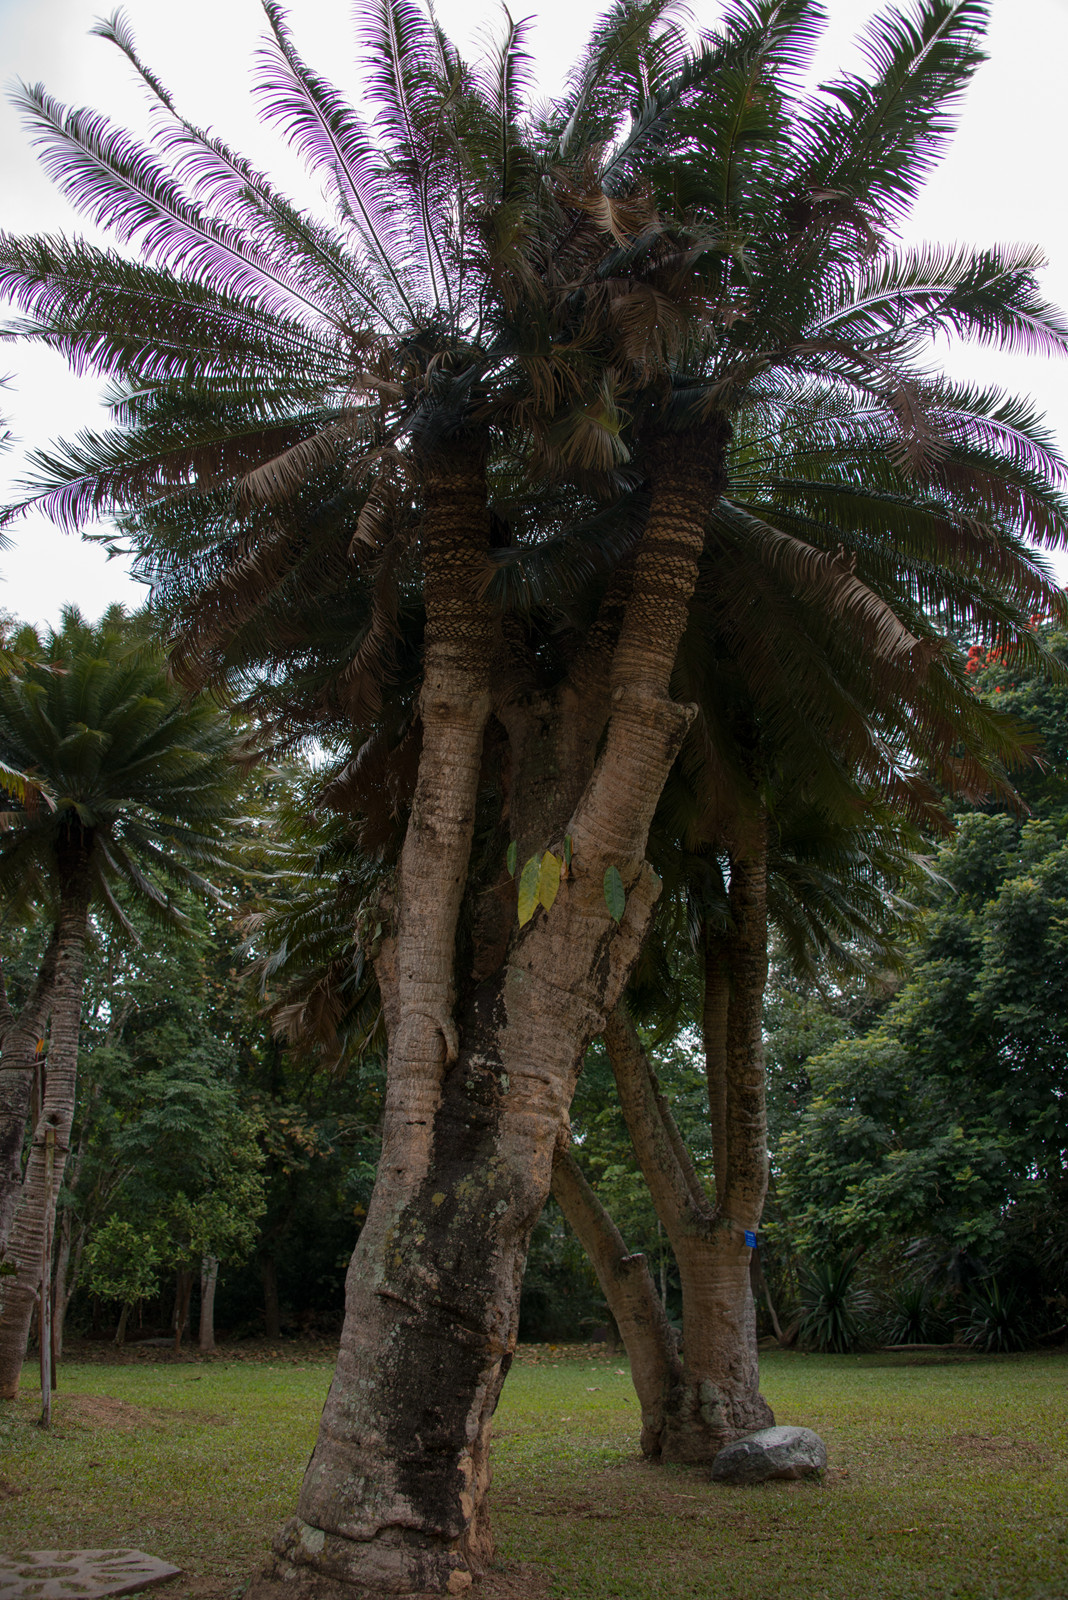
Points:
(998, 1317)
(834, 1308)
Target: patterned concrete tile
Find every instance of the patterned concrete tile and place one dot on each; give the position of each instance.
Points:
(79, 1574)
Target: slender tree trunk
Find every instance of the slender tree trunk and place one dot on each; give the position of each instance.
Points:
(209, 1273)
(36, 1213)
(120, 1331)
(272, 1317)
(714, 1012)
(182, 1297)
(60, 1292)
(394, 1499)
(627, 1285)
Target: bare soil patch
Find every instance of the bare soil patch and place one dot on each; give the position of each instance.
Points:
(996, 1448)
(99, 1411)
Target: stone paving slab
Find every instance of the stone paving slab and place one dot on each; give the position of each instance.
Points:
(79, 1574)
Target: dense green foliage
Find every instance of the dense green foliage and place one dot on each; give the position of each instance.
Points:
(936, 1135)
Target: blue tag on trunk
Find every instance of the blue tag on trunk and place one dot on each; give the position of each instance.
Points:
(750, 1238)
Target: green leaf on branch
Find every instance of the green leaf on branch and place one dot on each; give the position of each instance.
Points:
(615, 896)
(548, 879)
(567, 855)
(528, 890)
(513, 857)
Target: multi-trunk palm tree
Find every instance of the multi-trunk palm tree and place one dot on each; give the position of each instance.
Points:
(142, 791)
(504, 303)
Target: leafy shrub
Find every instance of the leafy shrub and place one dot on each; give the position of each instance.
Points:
(834, 1310)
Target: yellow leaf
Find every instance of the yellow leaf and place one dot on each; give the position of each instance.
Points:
(528, 890)
(548, 879)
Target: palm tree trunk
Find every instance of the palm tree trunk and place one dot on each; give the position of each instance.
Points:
(18, 1067)
(394, 1499)
(16, 1089)
(36, 1213)
(627, 1285)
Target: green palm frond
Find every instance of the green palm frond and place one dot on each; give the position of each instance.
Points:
(872, 141)
(123, 186)
(145, 779)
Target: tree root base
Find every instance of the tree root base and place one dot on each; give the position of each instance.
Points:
(312, 1565)
(703, 1418)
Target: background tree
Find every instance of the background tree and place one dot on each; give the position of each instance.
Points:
(932, 1135)
(144, 785)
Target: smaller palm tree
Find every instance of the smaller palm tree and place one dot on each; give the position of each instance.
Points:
(141, 787)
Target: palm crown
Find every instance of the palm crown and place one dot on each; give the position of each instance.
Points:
(139, 782)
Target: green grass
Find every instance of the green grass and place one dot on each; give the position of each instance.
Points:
(947, 1479)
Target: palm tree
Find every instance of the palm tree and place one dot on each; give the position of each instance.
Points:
(143, 787)
(499, 299)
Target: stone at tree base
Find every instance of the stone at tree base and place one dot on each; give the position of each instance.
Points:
(771, 1453)
(90, 1574)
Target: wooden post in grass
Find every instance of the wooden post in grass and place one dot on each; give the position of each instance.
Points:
(44, 1315)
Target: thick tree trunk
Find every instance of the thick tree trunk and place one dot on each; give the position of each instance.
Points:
(36, 1214)
(719, 1332)
(209, 1274)
(718, 1396)
(394, 1499)
(731, 1324)
(627, 1285)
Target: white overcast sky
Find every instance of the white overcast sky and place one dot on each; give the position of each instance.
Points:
(1004, 180)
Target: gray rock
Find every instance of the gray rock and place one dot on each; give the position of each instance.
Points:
(771, 1453)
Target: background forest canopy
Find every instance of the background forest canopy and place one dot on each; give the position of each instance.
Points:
(578, 488)
(231, 1078)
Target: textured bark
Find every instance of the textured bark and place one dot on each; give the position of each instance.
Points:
(717, 1397)
(714, 1037)
(63, 1282)
(627, 1285)
(19, 1038)
(394, 1499)
(16, 1089)
(209, 1274)
(36, 1212)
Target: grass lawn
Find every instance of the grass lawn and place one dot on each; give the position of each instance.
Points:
(947, 1478)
